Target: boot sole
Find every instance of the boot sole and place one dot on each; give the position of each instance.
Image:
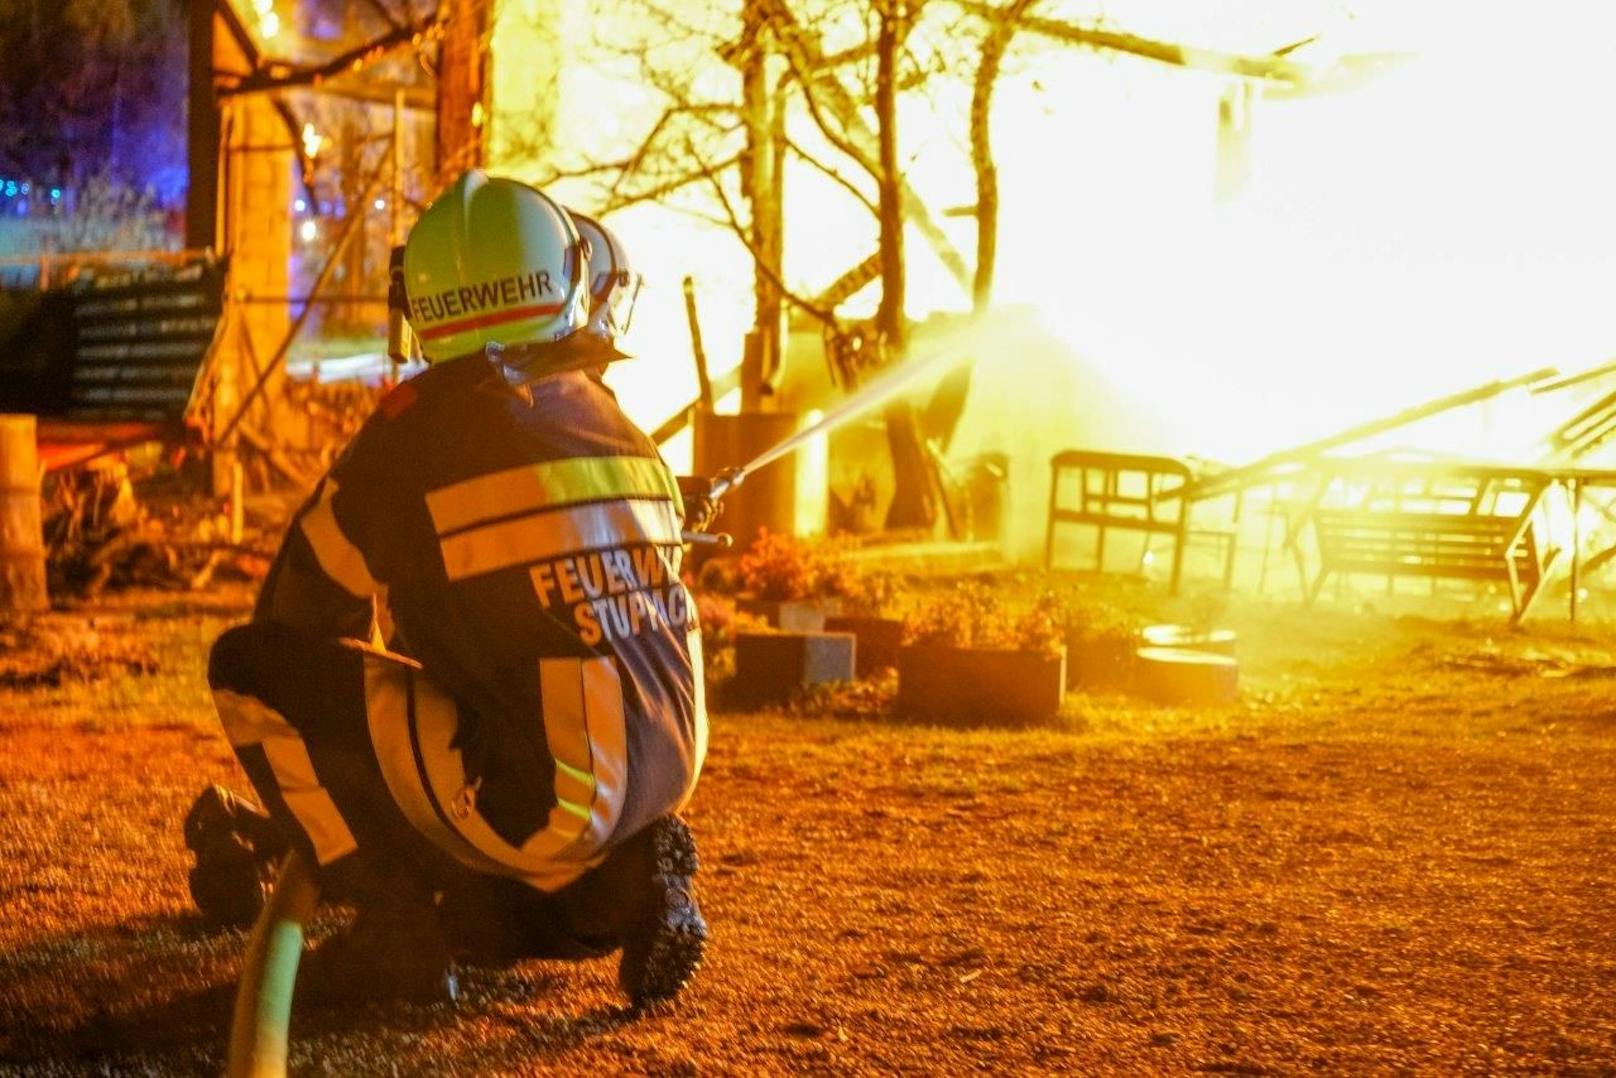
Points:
(678, 934)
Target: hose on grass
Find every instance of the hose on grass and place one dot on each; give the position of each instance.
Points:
(263, 1013)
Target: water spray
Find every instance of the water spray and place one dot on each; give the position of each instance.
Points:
(937, 360)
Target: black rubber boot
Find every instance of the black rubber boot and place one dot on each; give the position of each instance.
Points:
(237, 849)
(394, 950)
(663, 947)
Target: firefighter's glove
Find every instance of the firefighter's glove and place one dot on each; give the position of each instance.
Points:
(701, 508)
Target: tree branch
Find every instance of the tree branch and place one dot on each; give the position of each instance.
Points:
(836, 138)
(1274, 68)
(740, 230)
(278, 77)
(667, 187)
(824, 167)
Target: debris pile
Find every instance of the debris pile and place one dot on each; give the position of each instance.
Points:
(100, 536)
(53, 649)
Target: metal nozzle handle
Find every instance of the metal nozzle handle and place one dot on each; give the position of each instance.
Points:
(721, 540)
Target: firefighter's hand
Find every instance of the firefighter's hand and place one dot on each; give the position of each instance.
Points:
(701, 508)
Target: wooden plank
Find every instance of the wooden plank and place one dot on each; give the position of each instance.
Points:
(22, 536)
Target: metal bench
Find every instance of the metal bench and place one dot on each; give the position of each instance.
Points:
(1131, 492)
(1435, 521)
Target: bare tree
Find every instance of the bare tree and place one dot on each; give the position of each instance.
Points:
(818, 83)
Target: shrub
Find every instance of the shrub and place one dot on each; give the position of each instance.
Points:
(971, 616)
(866, 594)
(1041, 628)
(783, 567)
(965, 617)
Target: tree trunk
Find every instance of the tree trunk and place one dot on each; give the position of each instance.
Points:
(914, 501)
(947, 404)
(462, 84)
(762, 181)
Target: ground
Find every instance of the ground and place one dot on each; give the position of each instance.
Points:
(1395, 854)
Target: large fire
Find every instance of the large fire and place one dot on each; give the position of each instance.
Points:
(1445, 222)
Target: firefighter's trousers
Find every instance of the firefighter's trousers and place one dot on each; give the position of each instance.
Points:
(315, 725)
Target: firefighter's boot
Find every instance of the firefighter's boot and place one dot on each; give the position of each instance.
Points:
(394, 950)
(236, 849)
(665, 934)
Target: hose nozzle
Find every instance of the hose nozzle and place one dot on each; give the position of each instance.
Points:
(726, 481)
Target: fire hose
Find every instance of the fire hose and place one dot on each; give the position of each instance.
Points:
(263, 1010)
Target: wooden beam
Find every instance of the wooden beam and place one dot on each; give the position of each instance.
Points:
(201, 129)
(1258, 470)
(22, 536)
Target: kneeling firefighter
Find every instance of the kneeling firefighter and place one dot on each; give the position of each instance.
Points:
(471, 690)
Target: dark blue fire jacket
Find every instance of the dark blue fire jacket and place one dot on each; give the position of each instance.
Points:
(524, 550)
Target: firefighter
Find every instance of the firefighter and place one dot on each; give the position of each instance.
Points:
(614, 285)
(471, 689)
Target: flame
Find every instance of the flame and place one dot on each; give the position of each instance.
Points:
(1446, 223)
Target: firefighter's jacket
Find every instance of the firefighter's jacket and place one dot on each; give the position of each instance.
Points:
(527, 555)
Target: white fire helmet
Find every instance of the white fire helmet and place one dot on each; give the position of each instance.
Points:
(494, 261)
(613, 283)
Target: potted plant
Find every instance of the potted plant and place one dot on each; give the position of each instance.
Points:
(866, 600)
(970, 663)
(788, 583)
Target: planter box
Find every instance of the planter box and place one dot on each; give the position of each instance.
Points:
(1100, 664)
(1217, 641)
(980, 686)
(771, 668)
(791, 615)
(878, 640)
(1179, 677)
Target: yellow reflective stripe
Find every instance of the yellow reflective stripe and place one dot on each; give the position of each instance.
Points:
(550, 860)
(388, 687)
(574, 788)
(580, 811)
(248, 722)
(338, 557)
(547, 485)
(542, 536)
(576, 773)
(585, 729)
(698, 714)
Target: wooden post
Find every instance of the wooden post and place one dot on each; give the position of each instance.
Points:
(463, 70)
(22, 533)
(202, 129)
